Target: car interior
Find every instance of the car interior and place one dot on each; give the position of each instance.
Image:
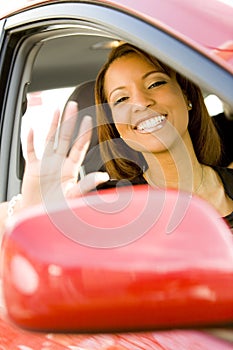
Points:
(74, 61)
(71, 62)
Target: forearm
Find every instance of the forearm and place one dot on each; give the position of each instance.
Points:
(4, 213)
(3, 217)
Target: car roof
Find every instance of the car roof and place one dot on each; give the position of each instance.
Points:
(190, 21)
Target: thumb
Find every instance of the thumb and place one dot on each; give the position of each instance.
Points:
(88, 183)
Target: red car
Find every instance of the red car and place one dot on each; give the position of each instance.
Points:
(161, 281)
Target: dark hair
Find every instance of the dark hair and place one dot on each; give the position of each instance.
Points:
(122, 161)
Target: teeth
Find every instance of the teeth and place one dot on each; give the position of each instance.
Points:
(150, 123)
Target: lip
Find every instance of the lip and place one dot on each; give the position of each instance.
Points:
(151, 123)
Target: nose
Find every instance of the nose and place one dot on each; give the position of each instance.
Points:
(141, 100)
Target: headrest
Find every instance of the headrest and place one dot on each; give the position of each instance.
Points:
(84, 95)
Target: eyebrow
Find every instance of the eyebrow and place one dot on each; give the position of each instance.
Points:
(151, 72)
(143, 78)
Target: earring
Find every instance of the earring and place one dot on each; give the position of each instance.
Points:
(190, 105)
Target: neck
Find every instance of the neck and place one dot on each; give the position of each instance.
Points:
(177, 168)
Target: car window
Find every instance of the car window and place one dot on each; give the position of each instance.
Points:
(54, 68)
(40, 109)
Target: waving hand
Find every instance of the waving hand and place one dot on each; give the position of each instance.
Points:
(55, 175)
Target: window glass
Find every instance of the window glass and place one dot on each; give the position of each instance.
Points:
(40, 110)
(213, 104)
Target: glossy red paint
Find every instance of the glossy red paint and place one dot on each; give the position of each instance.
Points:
(13, 338)
(159, 280)
(206, 25)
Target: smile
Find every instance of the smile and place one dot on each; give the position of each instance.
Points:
(151, 124)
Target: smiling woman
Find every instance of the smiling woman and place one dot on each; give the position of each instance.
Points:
(162, 115)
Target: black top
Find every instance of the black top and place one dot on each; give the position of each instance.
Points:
(226, 175)
(224, 127)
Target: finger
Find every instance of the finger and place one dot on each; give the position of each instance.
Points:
(88, 183)
(31, 155)
(80, 147)
(66, 129)
(53, 130)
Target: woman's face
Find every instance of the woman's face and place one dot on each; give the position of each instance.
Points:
(148, 106)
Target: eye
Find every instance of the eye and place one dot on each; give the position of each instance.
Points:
(120, 100)
(157, 83)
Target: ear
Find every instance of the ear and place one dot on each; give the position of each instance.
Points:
(188, 102)
(190, 106)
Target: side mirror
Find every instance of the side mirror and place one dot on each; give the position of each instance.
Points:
(119, 260)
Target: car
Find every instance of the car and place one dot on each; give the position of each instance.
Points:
(51, 51)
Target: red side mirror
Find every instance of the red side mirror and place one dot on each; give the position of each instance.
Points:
(108, 263)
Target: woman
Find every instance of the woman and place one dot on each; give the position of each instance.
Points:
(167, 139)
(161, 115)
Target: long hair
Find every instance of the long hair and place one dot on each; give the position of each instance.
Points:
(123, 162)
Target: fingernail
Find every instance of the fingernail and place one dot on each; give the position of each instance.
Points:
(102, 177)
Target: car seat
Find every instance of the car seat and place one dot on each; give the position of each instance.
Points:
(84, 95)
